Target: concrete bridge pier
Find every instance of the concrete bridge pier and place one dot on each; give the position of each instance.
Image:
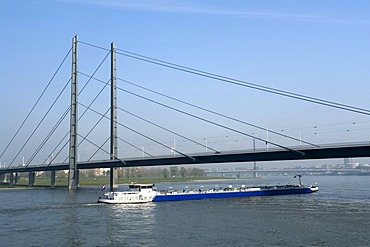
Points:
(3, 178)
(16, 178)
(31, 179)
(52, 179)
(255, 169)
(78, 178)
(13, 178)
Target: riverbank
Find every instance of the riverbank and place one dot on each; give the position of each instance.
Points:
(99, 181)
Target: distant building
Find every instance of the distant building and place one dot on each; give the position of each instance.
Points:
(352, 165)
(364, 167)
(347, 161)
(326, 166)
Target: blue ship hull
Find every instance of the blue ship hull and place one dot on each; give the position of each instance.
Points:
(232, 194)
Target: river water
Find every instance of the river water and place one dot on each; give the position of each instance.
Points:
(338, 215)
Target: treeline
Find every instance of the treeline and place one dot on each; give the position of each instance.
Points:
(173, 171)
(138, 172)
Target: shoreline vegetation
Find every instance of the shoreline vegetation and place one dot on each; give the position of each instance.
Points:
(104, 180)
(100, 177)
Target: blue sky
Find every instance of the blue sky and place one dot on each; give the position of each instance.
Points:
(315, 48)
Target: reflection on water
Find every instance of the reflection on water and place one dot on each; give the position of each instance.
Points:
(130, 224)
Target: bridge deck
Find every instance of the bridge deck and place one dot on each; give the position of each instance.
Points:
(324, 152)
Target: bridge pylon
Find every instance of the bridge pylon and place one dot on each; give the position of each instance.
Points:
(113, 118)
(73, 171)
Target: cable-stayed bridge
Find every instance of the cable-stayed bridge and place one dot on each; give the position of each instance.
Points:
(97, 137)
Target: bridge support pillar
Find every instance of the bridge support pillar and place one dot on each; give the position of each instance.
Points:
(254, 163)
(113, 179)
(31, 179)
(255, 170)
(11, 179)
(3, 178)
(16, 177)
(52, 179)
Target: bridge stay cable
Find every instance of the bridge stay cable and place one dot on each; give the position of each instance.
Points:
(88, 81)
(92, 75)
(128, 143)
(85, 138)
(40, 122)
(37, 101)
(136, 147)
(211, 122)
(79, 118)
(168, 130)
(58, 123)
(53, 130)
(217, 113)
(95, 46)
(154, 123)
(203, 119)
(98, 149)
(60, 150)
(145, 136)
(105, 84)
(243, 83)
(51, 155)
(234, 81)
(47, 138)
(95, 125)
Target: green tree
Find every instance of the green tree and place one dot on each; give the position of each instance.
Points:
(174, 171)
(61, 174)
(165, 173)
(196, 172)
(89, 173)
(183, 172)
(46, 174)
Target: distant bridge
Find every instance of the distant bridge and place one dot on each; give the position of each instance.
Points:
(290, 171)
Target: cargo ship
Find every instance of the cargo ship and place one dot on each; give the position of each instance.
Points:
(144, 193)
